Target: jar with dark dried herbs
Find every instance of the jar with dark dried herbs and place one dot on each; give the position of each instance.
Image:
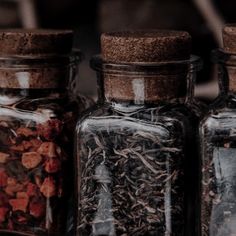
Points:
(217, 133)
(131, 150)
(37, 119)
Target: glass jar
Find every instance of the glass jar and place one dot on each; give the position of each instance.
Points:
(217, 136)
(132, 149)
(37, 120)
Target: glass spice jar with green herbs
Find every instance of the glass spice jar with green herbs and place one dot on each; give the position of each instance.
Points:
(217, 136)
(37, 120)
(132, 148)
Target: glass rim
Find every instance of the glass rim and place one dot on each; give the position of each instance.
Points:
(194, 63)
(37, 61)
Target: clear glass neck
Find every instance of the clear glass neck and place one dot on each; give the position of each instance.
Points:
(36, 76)
(139, 84)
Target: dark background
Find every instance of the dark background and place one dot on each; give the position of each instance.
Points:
(91, 17)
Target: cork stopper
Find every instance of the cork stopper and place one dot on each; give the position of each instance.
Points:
(46, 46)
(229, 46)
(229, 38)
(145, 46)
(35, 42)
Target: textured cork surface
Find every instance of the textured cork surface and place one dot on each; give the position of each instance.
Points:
(31, 42)
(145, 46)
(229, 46)
(232, 78)
(229, 38)
(44, 44)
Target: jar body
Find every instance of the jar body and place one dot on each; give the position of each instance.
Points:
(217, 142)
(218, 173)
(131, 166)
(35, 157)
(37, 120)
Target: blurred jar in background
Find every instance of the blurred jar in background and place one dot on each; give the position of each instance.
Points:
(217, 136)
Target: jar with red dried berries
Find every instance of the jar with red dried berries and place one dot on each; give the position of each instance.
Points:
(218, 147)
(37, 120)
(135, 150)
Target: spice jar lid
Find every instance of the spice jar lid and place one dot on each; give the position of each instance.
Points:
(229, 38)
(35, 42)
(145, 46)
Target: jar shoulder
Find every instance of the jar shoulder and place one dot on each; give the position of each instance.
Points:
(149, 119)
(47, 106)
(221, 119)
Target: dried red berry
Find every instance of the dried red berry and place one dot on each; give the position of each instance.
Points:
(3, 214)
(49, 149)
(3, 199)
(25, 132)
(21, 195)
(3, 178)
(32, 190)
(13, 187)
(52, 165)
(37, 208)
(35, 144)
(18, 148)
(50, 129)
(19, 204)
(3, 157)
(27, 145)
(31, 159)
(11, 181)
(48, 187)
(31, 145)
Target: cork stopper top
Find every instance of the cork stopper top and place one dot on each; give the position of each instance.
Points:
(35, 42)
(229, 38)
(145, 46)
